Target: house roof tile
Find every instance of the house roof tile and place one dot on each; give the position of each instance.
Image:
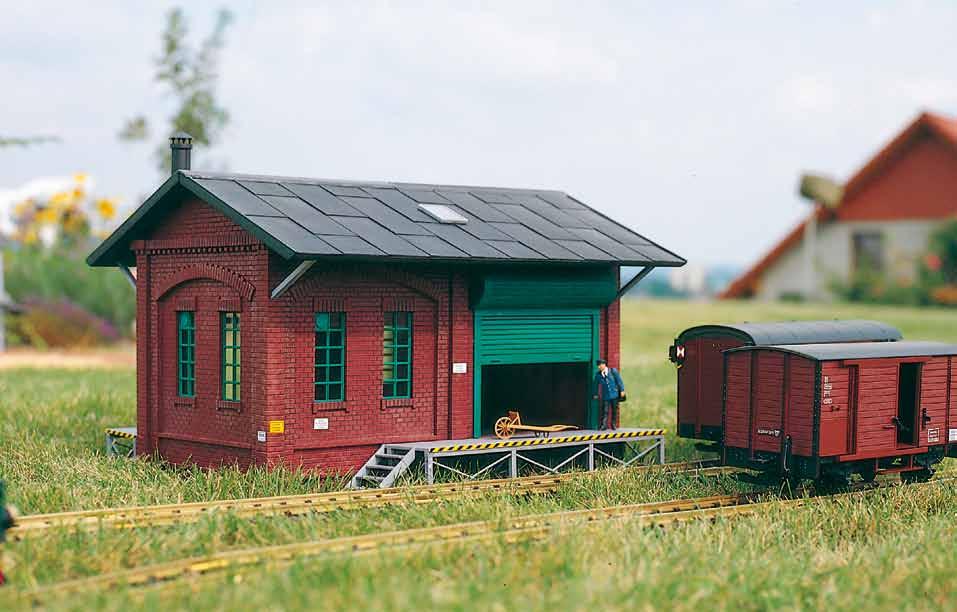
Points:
(316, 218)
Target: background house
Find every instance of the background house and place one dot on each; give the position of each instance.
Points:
(881, 224)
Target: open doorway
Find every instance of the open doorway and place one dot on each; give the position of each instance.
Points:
(908, 397)
(543, 393)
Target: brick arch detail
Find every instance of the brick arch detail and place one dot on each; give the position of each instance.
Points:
(402, 278)
(198, 271)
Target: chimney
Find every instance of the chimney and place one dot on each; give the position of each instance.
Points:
(181, 146)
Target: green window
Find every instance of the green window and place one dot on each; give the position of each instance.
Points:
(229, 326)
(330, 356)
(186, 360)
(397, 355)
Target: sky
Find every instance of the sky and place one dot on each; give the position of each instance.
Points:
(688, 121)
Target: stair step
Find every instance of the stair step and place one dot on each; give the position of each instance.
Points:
(382, 468)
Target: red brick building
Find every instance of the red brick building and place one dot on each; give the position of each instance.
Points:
(307, 322)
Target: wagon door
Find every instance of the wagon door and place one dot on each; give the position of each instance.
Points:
(768, 403)
(838, 391)
(932, 416)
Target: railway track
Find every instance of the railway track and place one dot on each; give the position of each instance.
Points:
(293, 505)
(510, 531)
(513, 531)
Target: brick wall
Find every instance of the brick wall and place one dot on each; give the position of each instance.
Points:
(199, 260)
(610, 340)
(363, 420)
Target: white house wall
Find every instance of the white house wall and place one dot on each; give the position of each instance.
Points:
(905, 242)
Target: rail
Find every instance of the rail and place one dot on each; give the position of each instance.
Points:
(511, 531)
(518, 529)
(293, 505)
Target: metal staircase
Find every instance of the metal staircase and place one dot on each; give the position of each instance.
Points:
(384, 467)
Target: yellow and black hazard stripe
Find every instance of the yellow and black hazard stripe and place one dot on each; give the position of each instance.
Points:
(116, 433)
(611, 435)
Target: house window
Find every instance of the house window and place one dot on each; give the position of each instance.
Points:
(186, 359)
(868, 252)
(330, 356)
(231, 375)
(397, 355)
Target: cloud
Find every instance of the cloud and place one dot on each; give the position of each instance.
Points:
(803, 94)
(929, 91)
(678, 119)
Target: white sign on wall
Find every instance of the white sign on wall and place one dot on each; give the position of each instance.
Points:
(320, 423)
(261, 436)
(460, 368)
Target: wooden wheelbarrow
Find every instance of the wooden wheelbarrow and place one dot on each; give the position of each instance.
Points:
(507, 426)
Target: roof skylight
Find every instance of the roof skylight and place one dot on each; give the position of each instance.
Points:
(443, 214)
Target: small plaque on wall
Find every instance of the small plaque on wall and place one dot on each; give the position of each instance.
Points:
(460, 368)
(322, 423)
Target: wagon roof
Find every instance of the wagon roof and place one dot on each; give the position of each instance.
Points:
(306, 218)
(800, 332)
(859, 350)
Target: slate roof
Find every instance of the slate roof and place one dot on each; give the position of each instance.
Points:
(860, 350)
(803, 332)
(315, 218)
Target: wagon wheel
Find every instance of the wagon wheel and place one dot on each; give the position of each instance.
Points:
(504, 428)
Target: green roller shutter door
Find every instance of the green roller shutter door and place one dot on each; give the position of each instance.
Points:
(533, 336)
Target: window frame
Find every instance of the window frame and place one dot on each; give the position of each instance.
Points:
(186, 354)
(390, 351)
(868, 252)
(230, 386)
(329, 367)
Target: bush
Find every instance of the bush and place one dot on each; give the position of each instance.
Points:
(936, 277)
(37, 275)
(867, 286)
(61, 324)
(945, 294)
(942, 256)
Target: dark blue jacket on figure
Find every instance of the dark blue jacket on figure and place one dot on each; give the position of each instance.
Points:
(610, 386)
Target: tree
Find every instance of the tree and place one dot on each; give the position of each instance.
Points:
(190, 77)
(26, 141)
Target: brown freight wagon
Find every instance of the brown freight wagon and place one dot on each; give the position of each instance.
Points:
(697, 351)
(832, 410)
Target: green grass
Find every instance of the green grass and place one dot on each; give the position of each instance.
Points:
(887, 548)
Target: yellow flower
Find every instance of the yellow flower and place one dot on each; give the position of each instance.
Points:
(80, 177)
(60, 197)
(46, 215)
(78, 193)
(106, 207)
